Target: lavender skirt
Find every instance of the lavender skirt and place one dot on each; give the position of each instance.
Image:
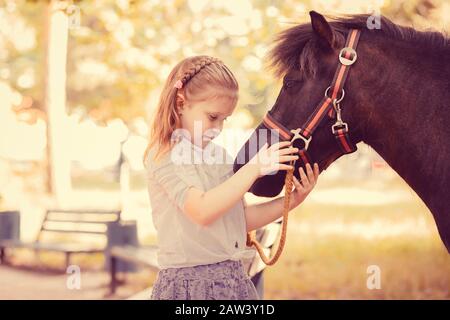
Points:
(226, 280)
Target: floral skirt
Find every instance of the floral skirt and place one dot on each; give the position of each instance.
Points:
(226, 280)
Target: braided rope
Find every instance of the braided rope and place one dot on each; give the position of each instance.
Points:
(251, 239)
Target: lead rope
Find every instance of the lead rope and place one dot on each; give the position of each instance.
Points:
(251, 236)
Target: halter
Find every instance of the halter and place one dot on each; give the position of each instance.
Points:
(329, 105)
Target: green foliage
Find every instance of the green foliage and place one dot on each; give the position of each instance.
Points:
(120, 54)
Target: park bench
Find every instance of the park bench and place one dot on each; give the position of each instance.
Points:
(68, 226)
(145, 256)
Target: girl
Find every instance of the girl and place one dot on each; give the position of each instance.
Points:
(197, 206)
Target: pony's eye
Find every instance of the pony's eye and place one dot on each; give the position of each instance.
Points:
(212, 117)
(288, 83)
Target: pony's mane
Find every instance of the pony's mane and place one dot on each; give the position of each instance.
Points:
(291, 49)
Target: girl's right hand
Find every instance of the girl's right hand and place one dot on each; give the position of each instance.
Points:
(268, 160)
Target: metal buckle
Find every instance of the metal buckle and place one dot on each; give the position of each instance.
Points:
(337, 100)
(344, 60)
(339, 123)
(335, 127)
(297, 135)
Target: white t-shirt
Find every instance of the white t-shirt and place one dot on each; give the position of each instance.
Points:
(181, 241)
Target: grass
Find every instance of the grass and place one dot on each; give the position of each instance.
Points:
(336, 268)
(317, 265)
(104, 181)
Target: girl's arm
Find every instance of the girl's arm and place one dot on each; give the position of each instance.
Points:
(261, 214)
(204, 207)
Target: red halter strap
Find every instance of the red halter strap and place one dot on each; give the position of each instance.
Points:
(328, 105)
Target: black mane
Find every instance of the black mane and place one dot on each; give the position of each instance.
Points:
(291, 49)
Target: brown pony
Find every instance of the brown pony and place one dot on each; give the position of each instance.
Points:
(397, 100)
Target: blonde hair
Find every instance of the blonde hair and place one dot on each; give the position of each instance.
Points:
(197, 74)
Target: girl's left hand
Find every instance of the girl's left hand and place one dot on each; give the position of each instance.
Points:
(308, 181)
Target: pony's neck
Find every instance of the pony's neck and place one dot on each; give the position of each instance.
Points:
(405, 114)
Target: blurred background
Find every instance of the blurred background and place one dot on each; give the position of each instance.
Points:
(79, 82)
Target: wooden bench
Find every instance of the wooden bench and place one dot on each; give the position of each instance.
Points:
(144, 256)
(147, 257)
(68, 222)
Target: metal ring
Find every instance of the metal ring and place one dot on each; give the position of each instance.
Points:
(344, 60)
(337, 100)
(298, 135)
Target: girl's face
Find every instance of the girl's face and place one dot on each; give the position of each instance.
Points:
(204, 120)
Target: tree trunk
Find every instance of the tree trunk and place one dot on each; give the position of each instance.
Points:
(58, 157)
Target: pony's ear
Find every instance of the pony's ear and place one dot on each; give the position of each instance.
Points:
(322, 29)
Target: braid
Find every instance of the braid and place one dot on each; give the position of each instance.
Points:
(197, 67)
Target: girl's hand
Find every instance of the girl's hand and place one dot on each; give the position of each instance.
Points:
(269, 160)
(308, 181)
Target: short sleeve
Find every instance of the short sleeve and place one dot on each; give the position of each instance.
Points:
(174, 179)
(244, 202)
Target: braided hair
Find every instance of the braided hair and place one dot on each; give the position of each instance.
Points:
(197, 67)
